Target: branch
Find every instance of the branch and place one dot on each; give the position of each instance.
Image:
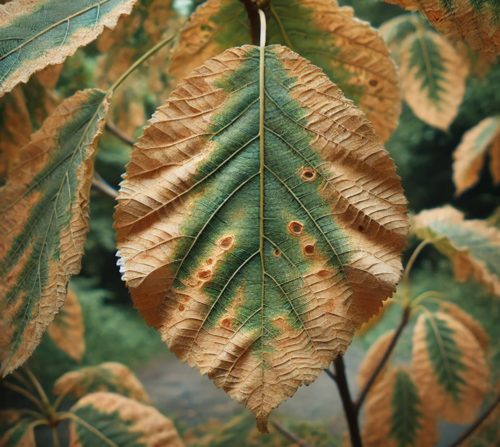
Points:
(252, 7)
(99, 183)
(350, 411)
(118, 133)
(288, 434)
(364, 392)
(482, 417)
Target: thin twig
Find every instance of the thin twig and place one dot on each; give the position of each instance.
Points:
(84, 423)
(101, 184)
(24, 381)
(118, 133)
(482, 417)
(413, 258)
(38, 387)
(351, 414)
(25, 393)
(288, 434)
(405, 317)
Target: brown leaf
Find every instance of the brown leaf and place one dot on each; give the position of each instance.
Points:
(373, 321)
(188, 222)
(449, 367)
(67, 328)
(17, 429)
(469, 155)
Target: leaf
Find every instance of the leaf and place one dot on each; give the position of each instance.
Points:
(66, 331)
(396, 416)
(478, 22)
(372, 360)
(468, 321)
(349, 51)
(44, 222)
(373, 321)
(120, 422)
(469, 155)
(259, 245)
(16, 429)
(472, 245)
(36, 34)
(395, 30)
(109, 376)
(433, 76)
(449, 367)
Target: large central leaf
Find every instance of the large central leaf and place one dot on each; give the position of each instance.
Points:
(260, 223)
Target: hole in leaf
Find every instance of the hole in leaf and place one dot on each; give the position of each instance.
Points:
(308, 175)
(295, 228)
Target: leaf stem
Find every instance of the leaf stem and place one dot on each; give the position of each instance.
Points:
(482, 417)
(288, 434)
(101, 184)
(38, 387)
(349, 408)
(413, 258)
(25, 393)
(252, 10)
(55, 437)
(405, 317)
(118, 133)
(89, 427)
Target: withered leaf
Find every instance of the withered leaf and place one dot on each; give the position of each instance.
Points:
(16, 429)
(44, 222)
(260, 224)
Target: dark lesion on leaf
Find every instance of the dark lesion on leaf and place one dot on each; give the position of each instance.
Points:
(295, 228)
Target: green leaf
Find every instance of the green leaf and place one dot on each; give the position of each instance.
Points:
(16, 429)
(44, 222)
(107, 419)
(472, 245)
(260, 223)
(348, 50)
(35, 34)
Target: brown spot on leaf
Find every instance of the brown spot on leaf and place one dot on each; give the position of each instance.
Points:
(181, 307)
(373, 82)
(205, 275)
(210, 261)
(308, 175)
(360, 228)
(295, 228)
(281, 324)
(226, 322)
(309, 249)
(323, 273)
(276, 253)
(226, 243)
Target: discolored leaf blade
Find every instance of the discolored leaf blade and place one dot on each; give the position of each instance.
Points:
(38, 33)
(245, 241)
(478, 22)
(44, 222)
(110, 376)
(16, 429)
(373, 321)
(348, 50)
(396, 416)
(120, 421)
(472, 245)
(450, 368)
(372, 360)
(67, 330)
(469, 155)
(433, 76)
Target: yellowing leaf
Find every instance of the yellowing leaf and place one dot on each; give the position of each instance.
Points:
(478, 22)
(67, 328)
(433, 77)
(468, 321)
(348, 50)
(472, 245)
(372, 360)
(259, 225)
(44, 222)
(16, 429)
(36, 34)
(469, 155)
(110, 376)
(117, 420)
(395, 30)
(396, 416)
(449, 368)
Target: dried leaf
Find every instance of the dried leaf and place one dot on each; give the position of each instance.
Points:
(44, 222)
(38, 33)
(472, 245)
(433, 76)
(478, 22)
(349, 51)
(260, 252)
(16, 429)
(394, 31)
(469, 155)
(373, 321)
(450, 368)
(67, 328)
(396, 416)
(121, 421)
(372, 360)
(110, 376)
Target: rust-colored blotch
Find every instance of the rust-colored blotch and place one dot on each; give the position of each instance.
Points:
(276, 253)
(308, 175)
(181, 307)
(226, 322)
(226, 243)
(210, 261)
(373, 82)
(205, 275)
(309, 250)
(323, 273)
(295, 228)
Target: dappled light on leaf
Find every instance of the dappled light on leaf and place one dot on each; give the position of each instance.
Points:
(249, 270)
(44, 222)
